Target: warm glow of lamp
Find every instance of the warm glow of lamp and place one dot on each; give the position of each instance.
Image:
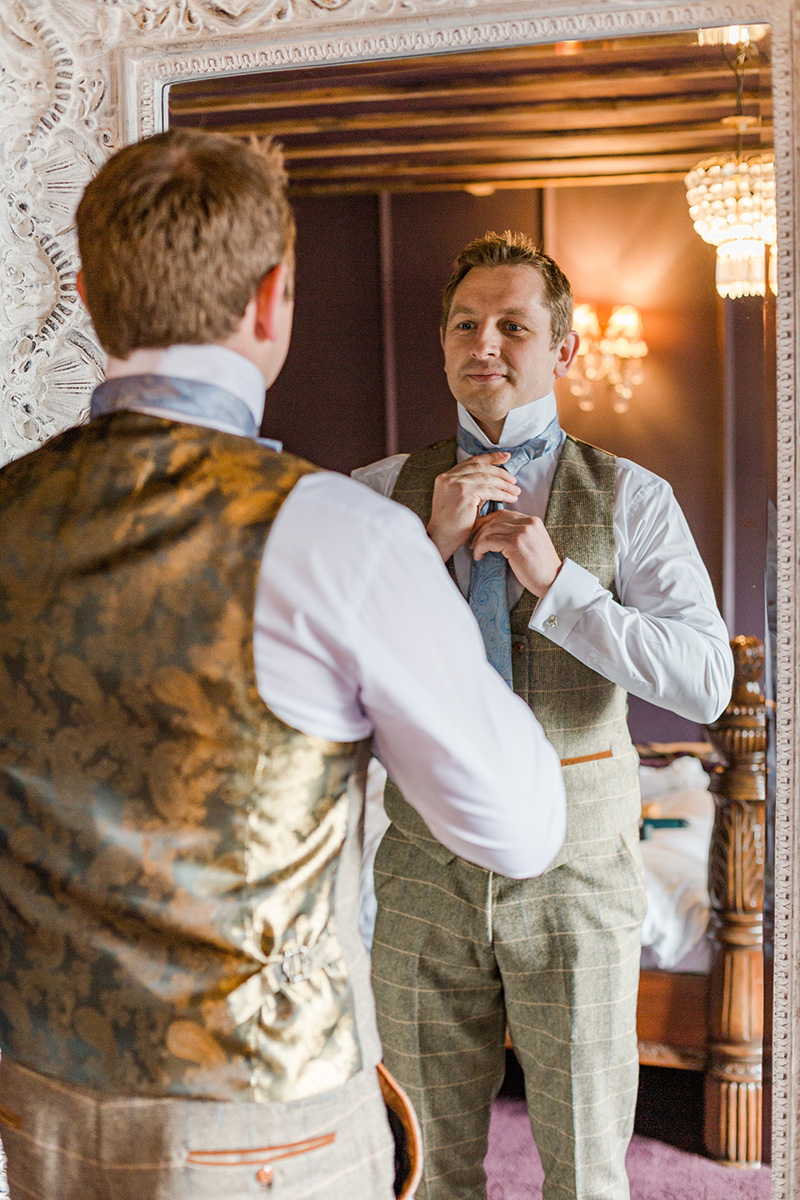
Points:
(731, 35)
(732, 204)
(612, 354)
(773, 270)
(623, 336)
(585, 322)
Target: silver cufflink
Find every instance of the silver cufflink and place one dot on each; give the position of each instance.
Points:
(551, 621)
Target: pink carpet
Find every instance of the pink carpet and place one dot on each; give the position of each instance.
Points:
(656, 1171)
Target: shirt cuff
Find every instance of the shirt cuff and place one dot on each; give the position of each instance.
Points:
(565, 601)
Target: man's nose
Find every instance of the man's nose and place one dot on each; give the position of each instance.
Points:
(487, 341)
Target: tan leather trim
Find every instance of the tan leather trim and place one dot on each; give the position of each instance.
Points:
(582, 758)
(258, 1155)
(396, 1099)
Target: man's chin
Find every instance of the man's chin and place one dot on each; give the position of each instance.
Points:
(496, 394)
(498, 411)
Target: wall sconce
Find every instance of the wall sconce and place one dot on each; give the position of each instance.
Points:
(612, 355)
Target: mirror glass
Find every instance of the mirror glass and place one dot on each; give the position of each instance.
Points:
(395, 164)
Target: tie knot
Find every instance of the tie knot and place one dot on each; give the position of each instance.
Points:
(549, 439)
(527, 452)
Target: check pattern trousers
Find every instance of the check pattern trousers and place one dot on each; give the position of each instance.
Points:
(458, 952)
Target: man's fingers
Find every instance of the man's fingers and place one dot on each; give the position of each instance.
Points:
(497, 531)
(481, 482)
(487, 535)
(480, 462)
(482, 489)
(494, 457)
(524, 542)
(502, 521)
(460, 493)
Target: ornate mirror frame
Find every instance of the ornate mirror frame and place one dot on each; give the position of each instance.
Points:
(81, 77)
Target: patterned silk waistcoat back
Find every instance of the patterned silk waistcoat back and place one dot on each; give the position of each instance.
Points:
(582, 713)
(178, 867)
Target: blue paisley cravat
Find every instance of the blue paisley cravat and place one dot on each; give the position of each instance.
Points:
(488, 597)
(186, 396)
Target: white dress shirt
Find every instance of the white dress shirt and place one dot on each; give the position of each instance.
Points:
(342, 652)
(664, 639)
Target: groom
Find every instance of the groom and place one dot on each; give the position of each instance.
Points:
(587, 585)
(199, 637)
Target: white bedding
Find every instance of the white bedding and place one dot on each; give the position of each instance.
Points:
(676, 867)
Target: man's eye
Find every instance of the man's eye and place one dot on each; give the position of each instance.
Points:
(512, 327)
(464, 325)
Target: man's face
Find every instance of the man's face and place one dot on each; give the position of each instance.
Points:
(497, 352)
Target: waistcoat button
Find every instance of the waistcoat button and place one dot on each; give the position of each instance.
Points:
(520, 647)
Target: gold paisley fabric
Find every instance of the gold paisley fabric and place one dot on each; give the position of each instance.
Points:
(168, 847)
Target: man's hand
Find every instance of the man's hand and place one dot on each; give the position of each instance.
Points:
(524, 542)
(460, 493)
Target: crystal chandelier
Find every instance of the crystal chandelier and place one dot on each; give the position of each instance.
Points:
(731, 196)
(732, 204)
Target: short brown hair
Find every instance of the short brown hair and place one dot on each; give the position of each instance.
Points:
(175, 233)
(515, 250)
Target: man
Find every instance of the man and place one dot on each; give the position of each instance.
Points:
(198, 637)
(587, 585)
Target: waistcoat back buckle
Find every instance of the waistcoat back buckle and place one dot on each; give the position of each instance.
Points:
(296, 964)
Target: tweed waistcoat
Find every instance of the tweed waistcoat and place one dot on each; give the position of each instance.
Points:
(582, 713)
(178, 867)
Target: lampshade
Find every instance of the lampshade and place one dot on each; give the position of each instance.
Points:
(586, 323)
(623, 333)
(732, 204)
(611, 354)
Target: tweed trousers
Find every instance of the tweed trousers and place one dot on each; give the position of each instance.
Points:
(458, 952)
(74, 1143)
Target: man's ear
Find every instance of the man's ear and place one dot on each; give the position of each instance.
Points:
(270, 295)
(566, 354)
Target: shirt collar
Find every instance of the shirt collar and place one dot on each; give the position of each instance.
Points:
(205, 364)
(520, 424)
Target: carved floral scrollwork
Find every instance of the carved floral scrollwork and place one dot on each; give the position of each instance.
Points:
(736, 891)
(177, 19)
(51, 147)
(736, 871)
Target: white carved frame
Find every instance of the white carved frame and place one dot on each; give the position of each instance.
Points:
(80, 77)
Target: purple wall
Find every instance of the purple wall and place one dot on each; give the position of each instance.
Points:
(327, 403)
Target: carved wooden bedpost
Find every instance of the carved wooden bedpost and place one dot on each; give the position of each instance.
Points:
(736, 885)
